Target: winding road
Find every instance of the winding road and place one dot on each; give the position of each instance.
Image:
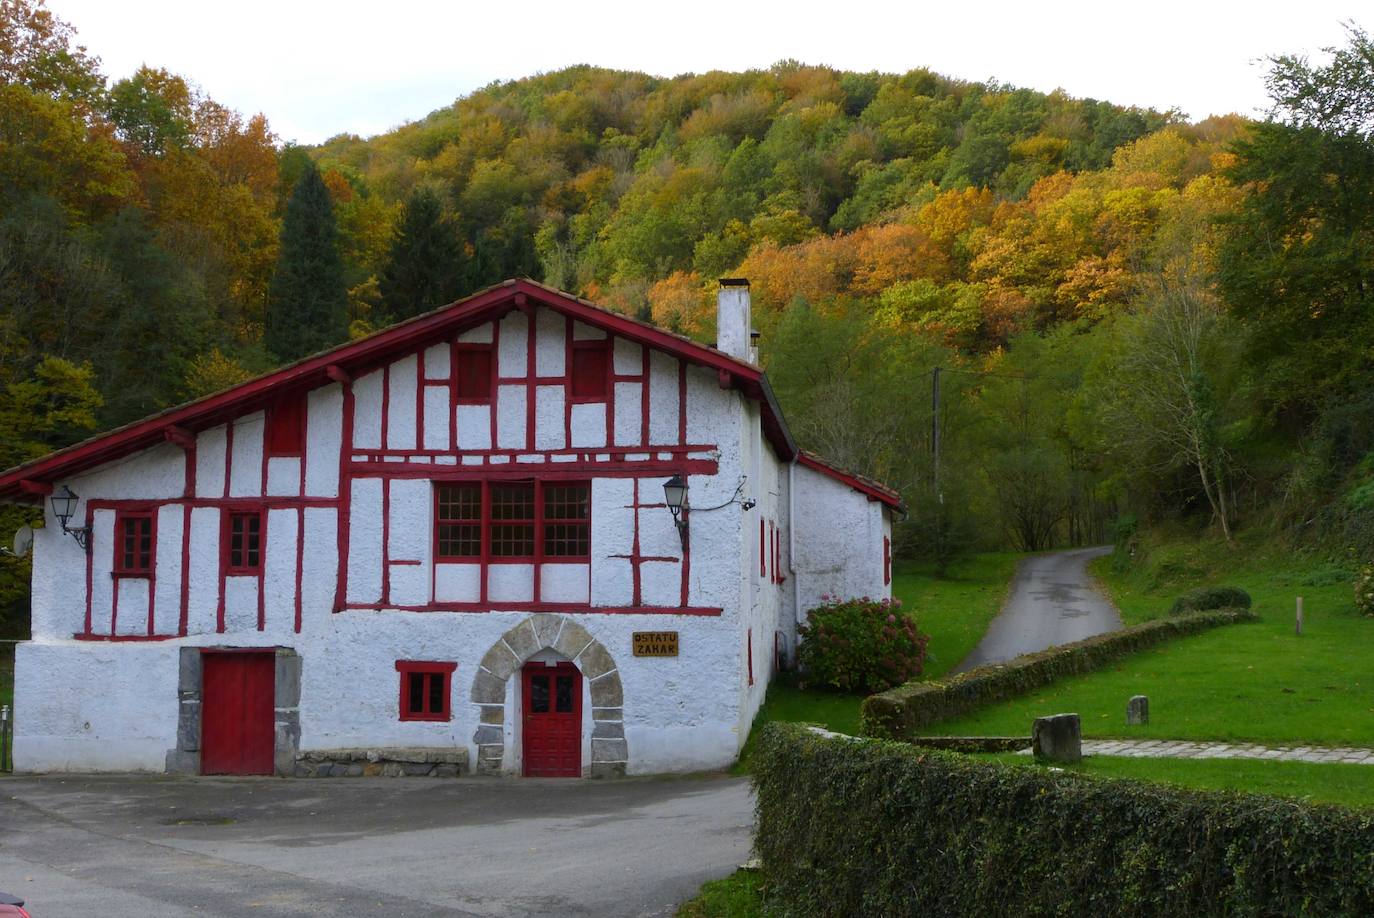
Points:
(1053, 600)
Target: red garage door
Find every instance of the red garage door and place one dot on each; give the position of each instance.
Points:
(236, 713)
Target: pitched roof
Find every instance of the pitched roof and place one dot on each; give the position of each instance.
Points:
(27, 482)
(875, 490)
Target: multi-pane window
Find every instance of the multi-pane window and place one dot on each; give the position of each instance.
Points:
(504, 521)
(512, 520)
(244, 548)
(425, 689)
(567, 520)
(134, 544)
(460, 520)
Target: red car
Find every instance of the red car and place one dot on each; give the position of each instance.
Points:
(12, 906)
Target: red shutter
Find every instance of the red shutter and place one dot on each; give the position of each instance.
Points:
(590, 371)
(286, 426)
(473, 373)
(887, 560)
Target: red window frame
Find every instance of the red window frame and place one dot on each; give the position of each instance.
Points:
(887, 560)
(136, 565)
(425, 675)
(240, 561)
(474, 374)
(763, 551)
(286, 426)
(589, 376)
(749, 652)
(456, 512)
(548, 532)
(777, 555)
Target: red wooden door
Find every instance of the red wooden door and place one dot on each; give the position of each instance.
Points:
(236, 713)
(553, 721)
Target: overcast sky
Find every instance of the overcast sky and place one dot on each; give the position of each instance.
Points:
(320, 69)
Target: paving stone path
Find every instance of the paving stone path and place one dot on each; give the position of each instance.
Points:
(1183, 749)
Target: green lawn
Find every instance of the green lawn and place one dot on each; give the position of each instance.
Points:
(1350, 785)
(954, 611)
(1257, 682)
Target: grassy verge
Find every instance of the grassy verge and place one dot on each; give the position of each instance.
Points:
(1348, 785)
(954, 610)
(736, 896)
(1257, 682)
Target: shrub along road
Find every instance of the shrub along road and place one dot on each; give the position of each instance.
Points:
(1053, 601)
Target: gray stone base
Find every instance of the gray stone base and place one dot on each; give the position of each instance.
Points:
(392, 762)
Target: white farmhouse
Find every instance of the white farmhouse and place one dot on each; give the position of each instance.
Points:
(444, 547)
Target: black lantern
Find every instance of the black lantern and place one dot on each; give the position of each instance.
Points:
(64, 501)
(675, 496)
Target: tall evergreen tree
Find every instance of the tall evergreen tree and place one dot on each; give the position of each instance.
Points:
(425, 267)
(307, 304)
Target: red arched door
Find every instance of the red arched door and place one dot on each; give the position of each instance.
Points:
(552, 736)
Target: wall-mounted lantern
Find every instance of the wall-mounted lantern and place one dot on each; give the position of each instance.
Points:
(675, 496)
(64, 502)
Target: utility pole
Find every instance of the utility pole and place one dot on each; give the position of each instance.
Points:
(935, 431)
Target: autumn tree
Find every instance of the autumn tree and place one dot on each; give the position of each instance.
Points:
(307, 306)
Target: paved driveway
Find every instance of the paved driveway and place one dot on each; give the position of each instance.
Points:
(153, 846)
(1053, 600)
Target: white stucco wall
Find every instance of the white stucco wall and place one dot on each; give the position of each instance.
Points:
(88, 705)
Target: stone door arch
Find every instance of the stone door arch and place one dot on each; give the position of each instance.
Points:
(562, 635)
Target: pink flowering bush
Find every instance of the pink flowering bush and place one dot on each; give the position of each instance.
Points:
(860, 645)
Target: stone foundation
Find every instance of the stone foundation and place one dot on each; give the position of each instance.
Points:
(447, 762)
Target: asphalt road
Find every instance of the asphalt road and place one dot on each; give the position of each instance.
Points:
(161, 846)
(1052, 601)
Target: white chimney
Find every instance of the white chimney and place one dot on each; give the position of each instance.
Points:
(734, 332)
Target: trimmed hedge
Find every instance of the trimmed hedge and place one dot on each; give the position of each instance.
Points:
(898, 713)
(1209, 598)
(867, 827)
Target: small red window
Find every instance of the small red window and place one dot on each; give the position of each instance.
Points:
(763, 551)
(243, 543)
(425, 689)
(749, 650)
(887, 560)
(591, 366)
(134, 544)
(286, 426)
(473, 374)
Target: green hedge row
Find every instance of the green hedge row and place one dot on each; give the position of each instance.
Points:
(875, 828)
(898, 713)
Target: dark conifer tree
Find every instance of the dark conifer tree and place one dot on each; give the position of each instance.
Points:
(307, 303)
(425, 268)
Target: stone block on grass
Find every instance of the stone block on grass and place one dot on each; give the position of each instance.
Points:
(1138, 711)
(1058, 739)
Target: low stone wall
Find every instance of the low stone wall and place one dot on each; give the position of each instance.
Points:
(388, 762)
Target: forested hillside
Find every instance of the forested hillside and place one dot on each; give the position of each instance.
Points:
(1136, 316)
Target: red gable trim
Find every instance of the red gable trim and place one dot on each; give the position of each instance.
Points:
(867, 486)
(349, 359)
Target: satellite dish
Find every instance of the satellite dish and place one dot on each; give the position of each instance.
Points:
(23, 541)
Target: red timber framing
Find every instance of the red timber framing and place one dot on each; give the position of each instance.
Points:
(282, 396)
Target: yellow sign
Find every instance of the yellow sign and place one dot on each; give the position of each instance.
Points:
(655, 643)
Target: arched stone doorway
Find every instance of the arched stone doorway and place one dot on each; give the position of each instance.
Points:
(562, 635)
